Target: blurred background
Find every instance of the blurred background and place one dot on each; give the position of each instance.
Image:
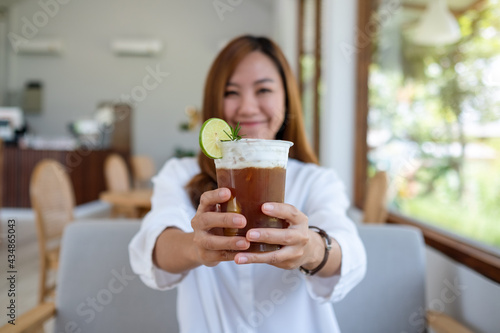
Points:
(409, 87)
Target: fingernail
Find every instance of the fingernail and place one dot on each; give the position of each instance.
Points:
(241, 243)
(222, 193)
(242, 260)
(254, 234)
(268, 207)
(238, 221)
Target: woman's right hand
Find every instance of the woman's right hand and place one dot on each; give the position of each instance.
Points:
(212, 248)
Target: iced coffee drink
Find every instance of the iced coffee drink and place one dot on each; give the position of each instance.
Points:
(255, 171)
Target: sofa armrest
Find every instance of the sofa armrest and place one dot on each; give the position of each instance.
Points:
(31, 320)
(442, 323)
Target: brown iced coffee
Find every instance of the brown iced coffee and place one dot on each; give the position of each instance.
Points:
(255, 171)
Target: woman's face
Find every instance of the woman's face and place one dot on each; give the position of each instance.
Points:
(255, 97)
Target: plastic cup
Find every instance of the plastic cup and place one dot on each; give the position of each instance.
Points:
(255, 172)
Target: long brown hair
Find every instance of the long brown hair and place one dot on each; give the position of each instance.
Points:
(213, 106)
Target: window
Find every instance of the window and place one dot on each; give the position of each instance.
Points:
(432, 121)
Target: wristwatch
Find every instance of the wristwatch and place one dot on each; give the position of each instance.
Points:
(328, 247)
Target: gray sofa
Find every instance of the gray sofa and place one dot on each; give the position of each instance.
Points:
(98, 292)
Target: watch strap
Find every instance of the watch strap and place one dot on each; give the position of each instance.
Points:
(328, 247)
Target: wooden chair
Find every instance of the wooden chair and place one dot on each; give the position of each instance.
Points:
(375, 206)
(143, 169)
(116, 174)
(118, 180)
(53, 201)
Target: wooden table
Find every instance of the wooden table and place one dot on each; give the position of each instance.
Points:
(134, 203)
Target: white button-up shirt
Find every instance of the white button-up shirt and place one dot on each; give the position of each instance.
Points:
(254, 297)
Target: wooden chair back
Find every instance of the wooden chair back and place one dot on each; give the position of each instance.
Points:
(375, 206)
(116, 174)
(53, 201)
(143, 169)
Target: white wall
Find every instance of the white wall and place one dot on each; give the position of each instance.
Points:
(87, 72)
(462, 293)
(286, 17)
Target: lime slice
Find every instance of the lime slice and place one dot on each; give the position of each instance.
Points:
(211, 133)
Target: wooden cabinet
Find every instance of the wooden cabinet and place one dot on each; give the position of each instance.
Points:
(85, 169)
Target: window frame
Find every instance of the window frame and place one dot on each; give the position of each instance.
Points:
(478, 259)
(301, 36)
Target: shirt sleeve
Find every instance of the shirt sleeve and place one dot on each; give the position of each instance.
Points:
(170, 207)
(326, 207)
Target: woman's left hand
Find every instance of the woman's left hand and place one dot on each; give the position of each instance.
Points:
(297, 248)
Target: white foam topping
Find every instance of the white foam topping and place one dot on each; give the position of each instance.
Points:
(253, 153)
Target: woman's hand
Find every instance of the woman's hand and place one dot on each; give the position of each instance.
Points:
(211, 247)
(300, 246)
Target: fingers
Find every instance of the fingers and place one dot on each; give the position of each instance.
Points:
(286, 237)
(214, 249)
(210, 220)
(209, 199)
(220, 243)
(294, 239)
(285, 258)
(211, 246)
(212, 258)
(284, 211)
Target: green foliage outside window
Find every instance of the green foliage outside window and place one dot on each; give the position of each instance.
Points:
(434, 124)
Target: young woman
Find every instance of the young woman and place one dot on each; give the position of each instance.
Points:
(220, 288)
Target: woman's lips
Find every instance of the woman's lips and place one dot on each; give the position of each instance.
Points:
(251, 123)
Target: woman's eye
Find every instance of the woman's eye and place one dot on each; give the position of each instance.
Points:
(229, 93)
(264, 90)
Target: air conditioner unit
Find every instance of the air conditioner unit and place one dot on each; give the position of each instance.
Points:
(41, 46)
(136, 47)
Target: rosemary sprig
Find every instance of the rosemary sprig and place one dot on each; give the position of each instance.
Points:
(234, 136)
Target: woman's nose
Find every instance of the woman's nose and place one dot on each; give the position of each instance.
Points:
(249, 104)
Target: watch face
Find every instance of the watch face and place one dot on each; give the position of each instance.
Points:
(304, 271)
